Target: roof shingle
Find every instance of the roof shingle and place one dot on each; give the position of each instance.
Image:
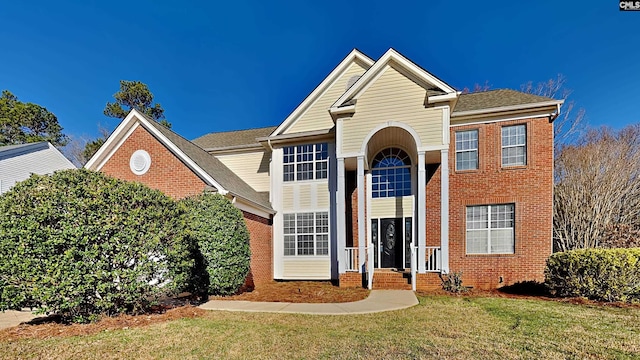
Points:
(232, 138)
(214, 167)
(495, 98)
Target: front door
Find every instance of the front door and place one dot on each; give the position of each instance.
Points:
(391, 243)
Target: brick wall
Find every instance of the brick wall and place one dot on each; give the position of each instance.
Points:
(530, 187)
(167, 173)
(261, 248)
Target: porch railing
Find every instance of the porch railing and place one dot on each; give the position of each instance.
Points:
(351, 257)
(433, 259)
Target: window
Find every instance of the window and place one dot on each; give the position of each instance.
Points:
(490, 229)
(306, 234)
(305, 162)
(467, 150)
(391, 174)
(514, 145)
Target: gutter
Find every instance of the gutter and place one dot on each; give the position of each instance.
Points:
(556, 103)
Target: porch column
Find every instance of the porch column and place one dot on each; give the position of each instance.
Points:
(340, 218)
(422, 210)
(444, 210)
(362, 238)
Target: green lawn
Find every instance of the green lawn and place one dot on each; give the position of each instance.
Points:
(440, 327)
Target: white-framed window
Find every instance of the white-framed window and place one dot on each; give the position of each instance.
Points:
(306, 233)
(490, 229)
(467, 150)
(391, 174)
(305, 162)
(514, 145)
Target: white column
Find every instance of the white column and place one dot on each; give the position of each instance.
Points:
(444, 210)
(340, 217)
(362, 238)
(422, 210)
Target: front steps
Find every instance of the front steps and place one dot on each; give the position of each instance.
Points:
(384, 279)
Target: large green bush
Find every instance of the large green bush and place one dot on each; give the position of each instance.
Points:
(80, 244)
(222, 239)
(597, 274)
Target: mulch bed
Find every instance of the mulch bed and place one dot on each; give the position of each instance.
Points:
(49, 327)
(299, 292)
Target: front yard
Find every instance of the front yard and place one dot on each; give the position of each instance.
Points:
(441, 327)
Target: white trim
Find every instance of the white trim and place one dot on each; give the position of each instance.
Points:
(408, 128)
(512, 118)
(446, 124)
(507, 108)
(342, 110)
(275, 169)
(333, 76)
(340, 216)
(421, 200)
(440, 98)
(313, 133)
(361, 217)
(113, 149)
(444, 211)
(242, 204)
(339, 130)
(357, 88)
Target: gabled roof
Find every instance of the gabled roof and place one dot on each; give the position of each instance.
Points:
(495, 99)
(233, 139)
(435, 87)
(211, 170)
(354, 55)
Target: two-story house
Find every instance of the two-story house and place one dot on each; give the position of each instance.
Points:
(384, 176)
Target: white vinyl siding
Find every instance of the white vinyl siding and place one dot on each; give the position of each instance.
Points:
(393, 97)
(514, 145)
(44, 159)
(316, 117)
(490, 229)
(252, 167)
(391, 207)
(467, 150)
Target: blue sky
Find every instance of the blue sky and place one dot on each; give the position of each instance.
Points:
(217, 66)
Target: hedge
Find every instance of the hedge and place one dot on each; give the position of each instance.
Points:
(222, 240)
(597, 274)
(81, 244)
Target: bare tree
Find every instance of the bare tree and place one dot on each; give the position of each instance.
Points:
(75, 150)
(597, 188)
(568, 126)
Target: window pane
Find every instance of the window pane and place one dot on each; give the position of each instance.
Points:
(502, 241)
(477, 242)
(514, 145)
(289, 245)
(322, 244)
(305, 244)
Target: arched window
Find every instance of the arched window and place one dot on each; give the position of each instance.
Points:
(391, 174)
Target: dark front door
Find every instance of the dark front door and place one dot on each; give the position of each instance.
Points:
(391, 243)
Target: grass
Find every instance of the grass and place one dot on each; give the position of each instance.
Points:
(439, 327)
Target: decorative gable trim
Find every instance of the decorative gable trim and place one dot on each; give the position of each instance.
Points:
(125, 129)
(334, 75)
(418, 74)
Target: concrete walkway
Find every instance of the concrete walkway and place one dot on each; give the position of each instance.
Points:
(378, 301)
(12, 318)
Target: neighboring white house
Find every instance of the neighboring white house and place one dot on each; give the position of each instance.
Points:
(18, 162)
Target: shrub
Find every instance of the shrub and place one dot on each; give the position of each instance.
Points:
(452, 282)
(222, 239)
(80, 244)
(597, 274)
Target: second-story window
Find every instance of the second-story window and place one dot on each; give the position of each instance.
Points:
(305, 162)
(514, 145)
(467, 150)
